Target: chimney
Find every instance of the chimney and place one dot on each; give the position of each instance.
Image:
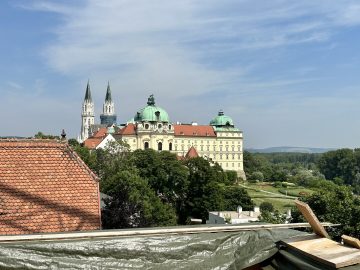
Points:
(63, 135)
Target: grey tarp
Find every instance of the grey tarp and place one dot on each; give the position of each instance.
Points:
(222, 250)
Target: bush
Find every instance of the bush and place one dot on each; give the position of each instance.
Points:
(266, 207)
(257, 176)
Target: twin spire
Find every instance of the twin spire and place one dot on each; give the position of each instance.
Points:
(88, 93)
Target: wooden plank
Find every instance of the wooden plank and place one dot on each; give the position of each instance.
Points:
(324, 250)
(351, 241)
(311, 218)
(152, 231)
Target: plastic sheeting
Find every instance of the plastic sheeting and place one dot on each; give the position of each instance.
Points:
(223, 250)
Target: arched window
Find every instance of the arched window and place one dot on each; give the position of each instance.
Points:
(146, 145)
(170, 146)
(159, 146)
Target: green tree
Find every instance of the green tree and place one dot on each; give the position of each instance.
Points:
(256, 176)
(165, 175)
(204, 192)
(41, 135)
(340, 163)
(87, 156)
(235, 196)
(73, 142)
(274, 217)
(336, 204)
(266, 207)
(133, 203)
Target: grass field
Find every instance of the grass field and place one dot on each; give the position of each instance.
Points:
(265, 192)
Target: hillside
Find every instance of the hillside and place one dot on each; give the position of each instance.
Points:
(289, 149)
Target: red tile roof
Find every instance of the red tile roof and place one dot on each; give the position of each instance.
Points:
(101, 133)
(92, 143)
(191, 131)
(96, 139)
(129, 129)
(45, 187)
(192, 153)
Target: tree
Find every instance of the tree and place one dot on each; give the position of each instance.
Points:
(133, 203)
(266, 207)
(274, 217)
(73, 142)
(256, 176)
(340, 163)
(231, 177)
(41, 135)
(235, 196)
(165, 175)
(336, 204)
(87, 156)
(204, 192)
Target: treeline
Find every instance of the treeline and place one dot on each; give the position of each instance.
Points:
(341, 167)
(304, 159)
(334, 176)
(150, 188)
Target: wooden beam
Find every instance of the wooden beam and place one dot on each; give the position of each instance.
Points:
(324, 250)
(154, 231)
(311, 218)
(351, 241)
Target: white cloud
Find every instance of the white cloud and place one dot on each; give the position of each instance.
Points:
(183, 50)
(15, 85)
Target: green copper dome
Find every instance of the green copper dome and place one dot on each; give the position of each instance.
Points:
(151, 113)
(222, 120)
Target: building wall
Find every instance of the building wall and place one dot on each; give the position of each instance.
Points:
(226, 148)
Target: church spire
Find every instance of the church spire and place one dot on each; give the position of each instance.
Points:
(87, 115)
(108, 117)
(108, 94)
(88, 93)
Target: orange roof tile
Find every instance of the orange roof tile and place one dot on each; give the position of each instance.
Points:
(191, 131)
(129, 129)
(192, 153)
(91, 143)
(101, 133)
(45, 187)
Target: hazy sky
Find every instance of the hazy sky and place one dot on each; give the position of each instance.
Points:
(287, 72)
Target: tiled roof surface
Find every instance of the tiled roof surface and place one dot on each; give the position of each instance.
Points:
(129, 129)
(192, 153)
(96, 139)
(101, 133)
(190, 130)
(45, 187)
(91, 143)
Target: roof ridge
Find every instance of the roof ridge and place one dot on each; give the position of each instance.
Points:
(81, 162)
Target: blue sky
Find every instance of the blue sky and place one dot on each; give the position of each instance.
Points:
(287, 72)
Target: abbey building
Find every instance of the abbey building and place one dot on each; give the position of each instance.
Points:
(220, 141)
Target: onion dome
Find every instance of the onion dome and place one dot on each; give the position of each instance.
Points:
(151, 113)
(222, 120)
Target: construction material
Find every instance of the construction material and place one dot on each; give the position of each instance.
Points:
(154, 231)
(311, 218)
(351, 241)
(324, 250)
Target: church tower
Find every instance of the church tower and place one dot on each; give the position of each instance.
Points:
(108, 117)
(87, 115)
